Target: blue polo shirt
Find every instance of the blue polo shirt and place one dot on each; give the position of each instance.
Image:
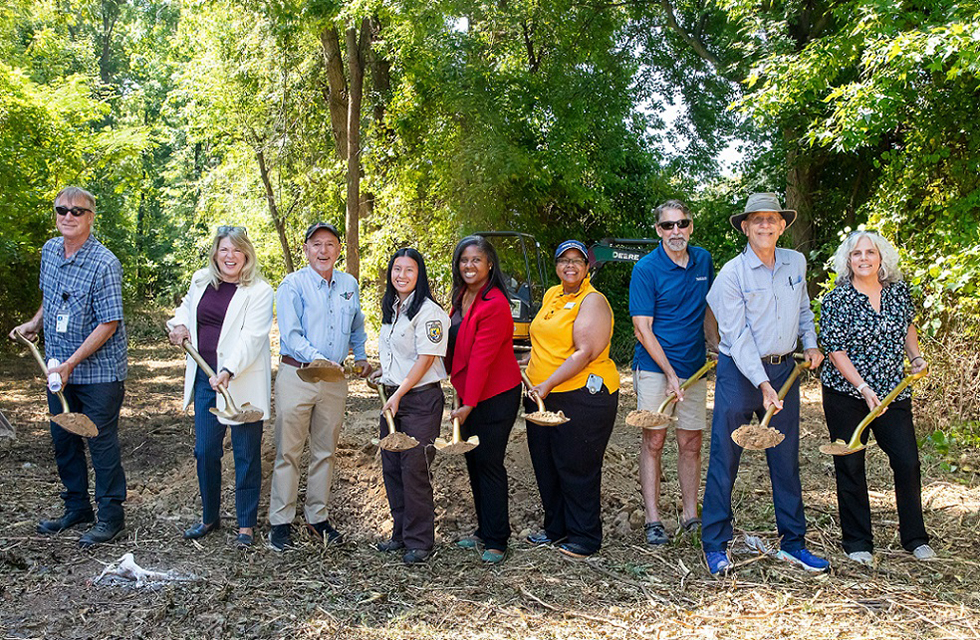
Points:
(675, 297)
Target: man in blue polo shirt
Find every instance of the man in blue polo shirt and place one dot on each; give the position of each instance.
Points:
(82, 317)
(667, 303)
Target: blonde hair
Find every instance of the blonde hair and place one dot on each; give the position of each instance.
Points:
(76, 193)
(888, 272)
(250, 271)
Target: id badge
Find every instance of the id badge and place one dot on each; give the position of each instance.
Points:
(62, 323)
(593, 384)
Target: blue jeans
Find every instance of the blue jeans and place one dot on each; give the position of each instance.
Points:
(101, 403)
(736, 400)
(246, 443)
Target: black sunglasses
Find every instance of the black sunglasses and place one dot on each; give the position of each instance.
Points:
(670, 224)
(77, 212)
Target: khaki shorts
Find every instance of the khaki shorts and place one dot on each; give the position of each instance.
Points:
(691, 414)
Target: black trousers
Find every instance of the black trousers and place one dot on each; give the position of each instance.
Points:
(492, 421)
(408, 481)
(567, 462)
(895, 434)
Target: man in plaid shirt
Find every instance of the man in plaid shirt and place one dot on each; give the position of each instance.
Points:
(82, 317)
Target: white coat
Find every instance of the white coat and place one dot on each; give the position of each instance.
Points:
(243, 345)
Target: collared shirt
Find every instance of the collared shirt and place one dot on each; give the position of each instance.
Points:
(318, 318)
(873, 340)
(675, 297)
(762, 312)
(87, 289)
(402, 342)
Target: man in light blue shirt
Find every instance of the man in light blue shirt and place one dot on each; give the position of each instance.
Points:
(763, 311)
(320, 318)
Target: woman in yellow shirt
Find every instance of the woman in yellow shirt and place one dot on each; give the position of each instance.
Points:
(570, 366)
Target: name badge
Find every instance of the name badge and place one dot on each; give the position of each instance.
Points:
(62, 323)
(569, 305)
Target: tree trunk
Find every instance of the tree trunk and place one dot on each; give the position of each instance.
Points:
(277, 220)
(800, 180)
(355, 60)
(337, 96)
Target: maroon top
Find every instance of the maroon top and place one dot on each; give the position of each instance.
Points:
(210, 316)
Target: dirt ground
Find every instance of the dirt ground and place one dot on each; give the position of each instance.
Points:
(350, 591)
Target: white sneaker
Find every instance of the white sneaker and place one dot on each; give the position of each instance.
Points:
(862, 557)
(924, 552)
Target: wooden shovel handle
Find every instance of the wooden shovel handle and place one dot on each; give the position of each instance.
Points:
(687, 383)
(527, 383)
(783, 390)
(193, 353)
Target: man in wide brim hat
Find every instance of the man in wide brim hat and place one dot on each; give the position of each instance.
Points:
(763, 202)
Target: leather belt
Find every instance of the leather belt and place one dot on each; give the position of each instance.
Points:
(390, 389)
(776, 359)
(293, 362)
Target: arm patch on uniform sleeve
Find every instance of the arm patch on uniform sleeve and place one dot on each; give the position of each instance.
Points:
(433, 329)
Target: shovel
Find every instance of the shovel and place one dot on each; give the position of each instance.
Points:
(841, 448)
(395, 440)
(653, 420)
(542, 416)
(458, 445)
(321, 371)
(6, 429)
(756, 437)
(77, 423)
(246, 413)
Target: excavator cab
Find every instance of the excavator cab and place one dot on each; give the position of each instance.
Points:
(523, 271)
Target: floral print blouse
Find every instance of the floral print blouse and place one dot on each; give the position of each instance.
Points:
(874, 341)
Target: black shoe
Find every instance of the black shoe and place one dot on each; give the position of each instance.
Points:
(324, 531)
(244, 541)
(200, 530)
(101, 533)
(280, 537)
(67, 521)
(415, 556)
(655, 533)
(574, 551)
(390, 545)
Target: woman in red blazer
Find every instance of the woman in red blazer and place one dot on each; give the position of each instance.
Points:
(484, 372)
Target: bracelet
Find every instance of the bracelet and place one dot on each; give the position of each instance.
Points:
(862, 386)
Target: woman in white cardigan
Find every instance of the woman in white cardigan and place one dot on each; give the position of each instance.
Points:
(227, 315)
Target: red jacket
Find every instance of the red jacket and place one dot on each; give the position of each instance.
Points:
(483, 362)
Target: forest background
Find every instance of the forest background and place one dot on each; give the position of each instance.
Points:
(415, 122)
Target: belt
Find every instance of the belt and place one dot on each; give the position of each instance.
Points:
(390, 388)
(776, 359)
(293, 362)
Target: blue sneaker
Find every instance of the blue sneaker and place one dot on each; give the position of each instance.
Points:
(718, 562)
(805, 560)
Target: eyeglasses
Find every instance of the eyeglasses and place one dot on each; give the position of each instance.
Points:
(76, 212)
(575, 262)
(226, 229)
(667, 225)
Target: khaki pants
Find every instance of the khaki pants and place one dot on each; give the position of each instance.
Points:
(651, 390)
(313, 410)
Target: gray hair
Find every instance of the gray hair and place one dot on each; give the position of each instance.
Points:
(76, 193)
(673, 204)
(250, 271)
(888, 272)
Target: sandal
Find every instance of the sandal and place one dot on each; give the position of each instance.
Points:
(692, 525)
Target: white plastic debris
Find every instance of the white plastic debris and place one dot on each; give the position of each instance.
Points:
(125, 570)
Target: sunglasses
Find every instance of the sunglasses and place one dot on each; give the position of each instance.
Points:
(76, 212)
(667, 225)
(226, 229)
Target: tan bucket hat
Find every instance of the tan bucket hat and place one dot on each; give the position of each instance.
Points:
(763, 202)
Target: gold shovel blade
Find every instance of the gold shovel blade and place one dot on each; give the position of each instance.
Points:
(839, 448)
(77, 423)
(398, 441)
(756, 437)
(546, 418)
(648, 419)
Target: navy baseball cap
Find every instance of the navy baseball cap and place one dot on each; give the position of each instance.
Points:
(316, 226)
(571, 244)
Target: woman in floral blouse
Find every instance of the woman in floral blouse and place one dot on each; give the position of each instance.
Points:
(866, 329)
